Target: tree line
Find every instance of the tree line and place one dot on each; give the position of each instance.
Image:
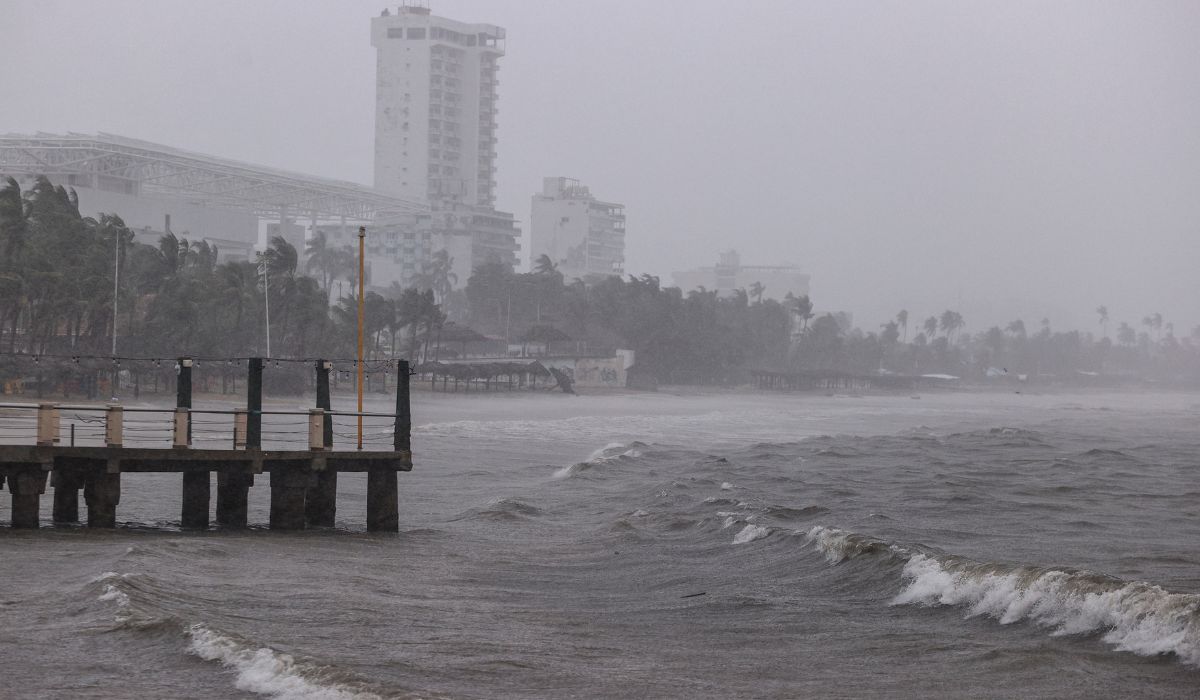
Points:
(174, 298)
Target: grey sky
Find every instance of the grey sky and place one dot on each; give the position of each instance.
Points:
(1001, 158)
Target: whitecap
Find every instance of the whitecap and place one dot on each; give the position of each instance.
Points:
(265, 671)
(751, 533)
(1136, 617)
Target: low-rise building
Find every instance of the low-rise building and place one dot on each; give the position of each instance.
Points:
(729, 274)
(582, 235)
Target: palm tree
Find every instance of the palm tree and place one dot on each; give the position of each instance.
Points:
(1017, 328)
(1154, 322)
(1103, 311)
(950, 322)
(801, 306)
(544, 265)
(756, 291)
(441, 274)
(902, 319)
(1126, 335)
(931, 326)
(321, 257)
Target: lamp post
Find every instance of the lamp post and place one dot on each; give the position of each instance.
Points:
(362, 280)
(116, 284)
(266, 297)
(116, 383)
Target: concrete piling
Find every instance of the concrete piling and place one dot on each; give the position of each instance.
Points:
(26, 488)
(196, 484)
(66, 496)
(196, 497)
(233, 495)
(102, 492)
(383, 505)
(320, 506)
(289, 486)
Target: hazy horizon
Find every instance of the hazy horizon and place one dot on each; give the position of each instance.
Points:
(1003, 159)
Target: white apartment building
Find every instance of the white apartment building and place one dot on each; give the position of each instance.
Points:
(582, 235)
(435, 106)
(435, 128)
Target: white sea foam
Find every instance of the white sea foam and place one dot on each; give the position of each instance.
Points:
(610, 453)
(1136, 617)
(265, 671)
(751, 533)
(726, 486)
(110, 591)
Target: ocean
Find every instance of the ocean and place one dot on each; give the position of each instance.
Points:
(985, 545)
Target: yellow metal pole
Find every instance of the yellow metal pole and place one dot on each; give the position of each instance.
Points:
(362, 283)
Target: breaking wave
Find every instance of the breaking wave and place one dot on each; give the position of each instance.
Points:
(265, 671)
(260, 669)
(609, 454)
(1136, 617)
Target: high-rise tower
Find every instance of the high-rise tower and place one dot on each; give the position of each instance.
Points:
(435, 107)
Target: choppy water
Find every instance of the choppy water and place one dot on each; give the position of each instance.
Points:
(662, 546)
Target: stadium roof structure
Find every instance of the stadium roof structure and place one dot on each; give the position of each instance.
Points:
(156, 170)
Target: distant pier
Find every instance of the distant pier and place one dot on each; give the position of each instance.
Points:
(303, 481)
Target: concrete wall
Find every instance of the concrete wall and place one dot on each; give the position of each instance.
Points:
(591, 372)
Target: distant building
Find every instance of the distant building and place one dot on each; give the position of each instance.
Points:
(159, 189)
(435, 128)
(729, 274)
(581, 234)
(402, 249)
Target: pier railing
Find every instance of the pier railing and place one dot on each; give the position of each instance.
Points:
(113, 425)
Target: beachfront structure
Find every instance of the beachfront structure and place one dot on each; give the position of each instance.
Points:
(159, 189)
(435, 128)
(582, 235)
(729, 274)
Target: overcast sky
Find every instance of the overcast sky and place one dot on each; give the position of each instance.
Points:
(1032, 159)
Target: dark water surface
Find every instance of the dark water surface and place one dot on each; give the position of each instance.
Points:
(663, 546)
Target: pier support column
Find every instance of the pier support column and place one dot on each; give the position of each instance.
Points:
(196, 497)
(66, 496)
(102, 491)
(288, 490)
(320, 506)
(233, 495)
(383, 505)
(26, 489)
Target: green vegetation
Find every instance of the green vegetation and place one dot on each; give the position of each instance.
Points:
(56, 298)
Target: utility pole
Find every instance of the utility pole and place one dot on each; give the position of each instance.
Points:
(362, 282)
(267, 297)
(116, 283)
(116, 382)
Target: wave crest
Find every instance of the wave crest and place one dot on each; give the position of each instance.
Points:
(264, 671)
(612, 453)
(840, 545)
(1135, 617)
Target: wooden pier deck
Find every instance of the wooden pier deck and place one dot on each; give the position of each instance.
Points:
(303, 482)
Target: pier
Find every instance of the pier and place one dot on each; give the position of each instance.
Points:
(303, 457)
